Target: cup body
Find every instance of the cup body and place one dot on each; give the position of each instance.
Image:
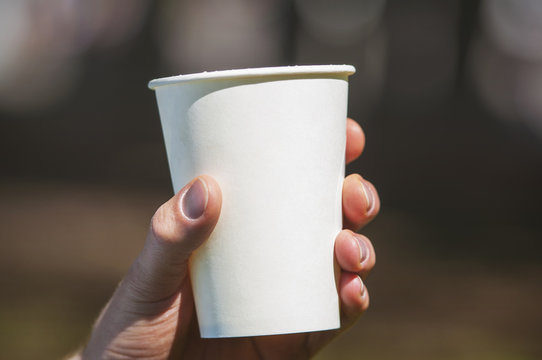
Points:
(274, 139)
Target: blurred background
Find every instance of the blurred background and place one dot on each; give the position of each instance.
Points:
(449, 94)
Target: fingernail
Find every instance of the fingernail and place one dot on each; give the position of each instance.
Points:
(362, 287)
(194, 200)
(363, 249)
(369, 197)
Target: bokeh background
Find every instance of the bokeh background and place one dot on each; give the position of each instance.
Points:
(449, 94)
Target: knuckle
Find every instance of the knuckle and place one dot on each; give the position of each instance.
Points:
(163, 226)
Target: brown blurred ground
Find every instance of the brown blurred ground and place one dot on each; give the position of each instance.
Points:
(458, 240)
(64, 259)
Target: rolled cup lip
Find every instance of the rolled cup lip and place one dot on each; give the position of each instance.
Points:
(301, 70)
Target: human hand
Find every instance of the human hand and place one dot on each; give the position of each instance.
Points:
(151, 314)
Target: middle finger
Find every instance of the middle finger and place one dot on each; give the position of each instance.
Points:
(360, 202)
(354, 253)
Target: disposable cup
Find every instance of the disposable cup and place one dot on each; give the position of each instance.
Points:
(274, 140)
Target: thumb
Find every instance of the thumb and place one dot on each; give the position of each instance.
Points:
(177, 228)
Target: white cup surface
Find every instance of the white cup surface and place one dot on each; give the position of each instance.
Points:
(274, 139)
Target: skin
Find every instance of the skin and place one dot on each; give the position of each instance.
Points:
(151, 314)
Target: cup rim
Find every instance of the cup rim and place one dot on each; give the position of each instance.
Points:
(301, 70)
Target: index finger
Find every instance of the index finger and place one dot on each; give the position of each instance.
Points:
(355, 140)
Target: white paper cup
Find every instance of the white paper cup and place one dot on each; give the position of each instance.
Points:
(274, 139)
